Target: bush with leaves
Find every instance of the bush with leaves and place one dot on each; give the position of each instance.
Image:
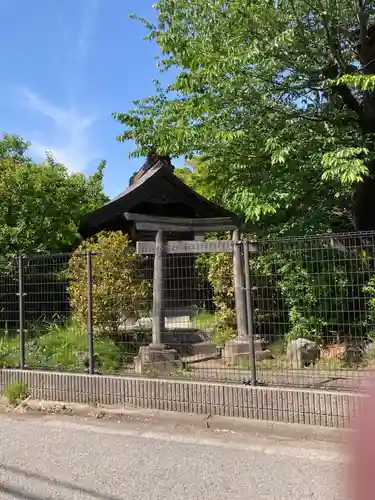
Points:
(305, 288)
(369, 290)
(314, 287)
(119, 290)
(62, 347)
(41, 208)
(220, 276)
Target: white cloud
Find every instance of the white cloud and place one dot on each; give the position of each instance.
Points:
(68, 134)
(83, 44)
(68, 138)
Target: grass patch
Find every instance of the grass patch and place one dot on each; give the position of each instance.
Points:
(15, 393)
(205, 319)
(221, 332)
(64, 348)
(9, 351)
(277, 364)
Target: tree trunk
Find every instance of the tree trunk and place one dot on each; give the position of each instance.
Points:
(364, 204)
(364, 193)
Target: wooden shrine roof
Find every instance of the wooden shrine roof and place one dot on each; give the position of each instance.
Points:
(149, 184)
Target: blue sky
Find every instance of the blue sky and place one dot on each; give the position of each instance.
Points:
(66, 66)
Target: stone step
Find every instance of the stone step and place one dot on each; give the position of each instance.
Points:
(184, 337)
(205, 348)
(189, 349)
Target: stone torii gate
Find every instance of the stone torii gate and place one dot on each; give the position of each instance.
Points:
(156, 354)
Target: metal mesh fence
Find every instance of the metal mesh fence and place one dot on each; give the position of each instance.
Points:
(310, 318)
(320, 289)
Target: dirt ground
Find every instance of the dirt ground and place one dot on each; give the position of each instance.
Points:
(311, 377)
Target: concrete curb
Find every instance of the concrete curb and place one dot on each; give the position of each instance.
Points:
(181, 422)
(274, 404)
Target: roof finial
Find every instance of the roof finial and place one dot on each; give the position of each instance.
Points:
(152, 159)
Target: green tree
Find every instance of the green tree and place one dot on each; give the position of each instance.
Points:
(41, 205)
(198, 174)
(278, 96)
(14, 147)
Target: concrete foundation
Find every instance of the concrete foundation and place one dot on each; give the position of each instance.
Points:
(278, 404)
(157, 358)
(239, 349)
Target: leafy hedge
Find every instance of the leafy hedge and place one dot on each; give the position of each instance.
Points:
(119, 288)
(220, 276)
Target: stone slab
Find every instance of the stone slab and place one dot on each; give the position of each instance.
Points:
(235, 347)
(156, 358)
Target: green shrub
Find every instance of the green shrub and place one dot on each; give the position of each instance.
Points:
(222, 334)
(9, 352)
(16, 392)
(220, 276)
(369, 289)
(300, 288)
(119, 290)
(313, 288)
(205, 319)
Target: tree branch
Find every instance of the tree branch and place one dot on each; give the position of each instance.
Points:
(348, 98)
(343, 91)
(303, 116)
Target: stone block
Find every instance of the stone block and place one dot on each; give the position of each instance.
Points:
(234, 348)
(157, 358)
(302, 353)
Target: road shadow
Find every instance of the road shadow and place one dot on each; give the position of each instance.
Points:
(51, 481)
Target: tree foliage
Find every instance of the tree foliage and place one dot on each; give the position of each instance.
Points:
(278, 97)
(41, 205)
(198, 174)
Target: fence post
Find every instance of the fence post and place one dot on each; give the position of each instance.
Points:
(158, 320)
(239, 285)
(89, 313)
(249, 309)
(21, 309)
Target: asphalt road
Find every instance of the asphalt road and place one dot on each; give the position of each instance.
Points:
(64, 458)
